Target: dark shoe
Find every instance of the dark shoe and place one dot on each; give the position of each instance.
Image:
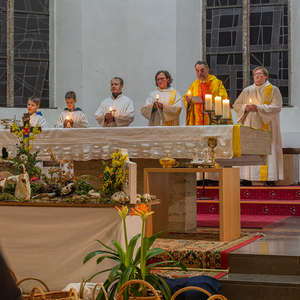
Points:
(270, 183)
(245, 182)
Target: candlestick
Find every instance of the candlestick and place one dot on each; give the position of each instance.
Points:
(208, 102)
(218, 106)
(226, 108)
(189, 94)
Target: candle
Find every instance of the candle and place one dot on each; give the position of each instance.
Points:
(218, 106)
(189, 94)
(226, 108)
(110, 109)
(68, 124)
(250, 101)
(157, 98)
(208, 101)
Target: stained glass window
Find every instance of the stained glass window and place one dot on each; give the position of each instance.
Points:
(31, 51)
(268, 42)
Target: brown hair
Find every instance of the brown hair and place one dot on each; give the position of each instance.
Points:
(70, 95)
(119, 78)
(265, 71)
(35, 99)
(167, 74)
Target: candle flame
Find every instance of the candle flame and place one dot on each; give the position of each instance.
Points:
(157, 97)
(67, 117)
(250, 101)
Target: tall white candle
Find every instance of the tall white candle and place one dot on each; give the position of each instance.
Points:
(226, 108)
(218, 106)
(208, 101)
(157, 98)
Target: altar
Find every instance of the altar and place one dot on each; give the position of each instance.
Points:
(50, 241)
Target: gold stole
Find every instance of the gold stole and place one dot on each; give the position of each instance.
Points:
(267, 100)
(172, 98)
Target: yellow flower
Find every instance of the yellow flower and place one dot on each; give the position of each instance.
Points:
(142, 211)
(123, 213)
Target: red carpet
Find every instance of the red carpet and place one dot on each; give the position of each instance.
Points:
(247, 221)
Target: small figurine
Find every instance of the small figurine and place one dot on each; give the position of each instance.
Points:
(195, 157)
(22, 183)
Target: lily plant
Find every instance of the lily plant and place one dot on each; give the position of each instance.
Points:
(133, 265)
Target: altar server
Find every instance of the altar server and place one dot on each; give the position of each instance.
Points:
(36, 117)
(205, 84)
(117, 110)
(72, 117)
(259, 106)
(163, 105)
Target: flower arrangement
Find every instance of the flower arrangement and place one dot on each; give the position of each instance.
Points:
(129, 267)
(113, 176)
(25, 134)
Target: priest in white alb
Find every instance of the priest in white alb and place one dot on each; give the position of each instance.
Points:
(163, 105)
(117, 110)
(259, 106)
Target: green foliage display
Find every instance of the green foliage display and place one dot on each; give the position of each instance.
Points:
(130, 267)
(83, 185)
(32, 160)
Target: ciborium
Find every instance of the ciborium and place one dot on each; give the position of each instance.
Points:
(212, 143)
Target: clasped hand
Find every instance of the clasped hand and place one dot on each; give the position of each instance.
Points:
(70, 121)
(159, 105)
(109, 117)
(251, 107)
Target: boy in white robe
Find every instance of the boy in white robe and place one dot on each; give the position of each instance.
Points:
(36, 117)
(117, 110)
(71, 117)
(259, 106)
(163, 106)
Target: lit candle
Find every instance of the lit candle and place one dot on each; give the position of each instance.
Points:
(218, 106)
(189, 94)
(208, 101)
(110, 109)
(157, 98)
(226, 108)
(68, 124)
(250, 101)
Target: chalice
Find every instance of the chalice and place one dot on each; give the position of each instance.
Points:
(212, 143)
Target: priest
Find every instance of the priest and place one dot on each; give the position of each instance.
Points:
(205, 84)
(117, 110)
(163, 106)
(259, 106)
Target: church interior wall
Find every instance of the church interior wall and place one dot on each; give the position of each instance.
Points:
(92, 41)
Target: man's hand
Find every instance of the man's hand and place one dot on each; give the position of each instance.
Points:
(251, 107)
(188, 100)
(109, 118)
(155, 105)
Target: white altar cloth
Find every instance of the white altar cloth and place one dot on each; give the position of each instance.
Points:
(50, 243)
(142, 142)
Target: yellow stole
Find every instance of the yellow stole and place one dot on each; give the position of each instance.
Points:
(172, 98)
(267, 100)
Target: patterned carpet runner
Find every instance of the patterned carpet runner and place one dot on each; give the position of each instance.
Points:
(203, 251)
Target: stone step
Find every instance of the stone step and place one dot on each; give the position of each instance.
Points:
(261, 287)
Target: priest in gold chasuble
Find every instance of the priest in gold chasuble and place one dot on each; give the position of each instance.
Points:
(205, 84)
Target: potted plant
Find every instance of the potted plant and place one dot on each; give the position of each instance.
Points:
(130, 266)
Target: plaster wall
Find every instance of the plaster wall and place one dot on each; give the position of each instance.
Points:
(93, 41)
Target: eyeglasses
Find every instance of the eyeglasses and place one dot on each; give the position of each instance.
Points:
(161, 79)
(258, 74)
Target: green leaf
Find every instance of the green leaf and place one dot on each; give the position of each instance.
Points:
(113, 272)
(106, 246)
(156, 251)
(120, 250)
(98, 274)
(100, 259)
(154, 237)
(97, 252)
(127, 274)
(130, 250)
(170, 263)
